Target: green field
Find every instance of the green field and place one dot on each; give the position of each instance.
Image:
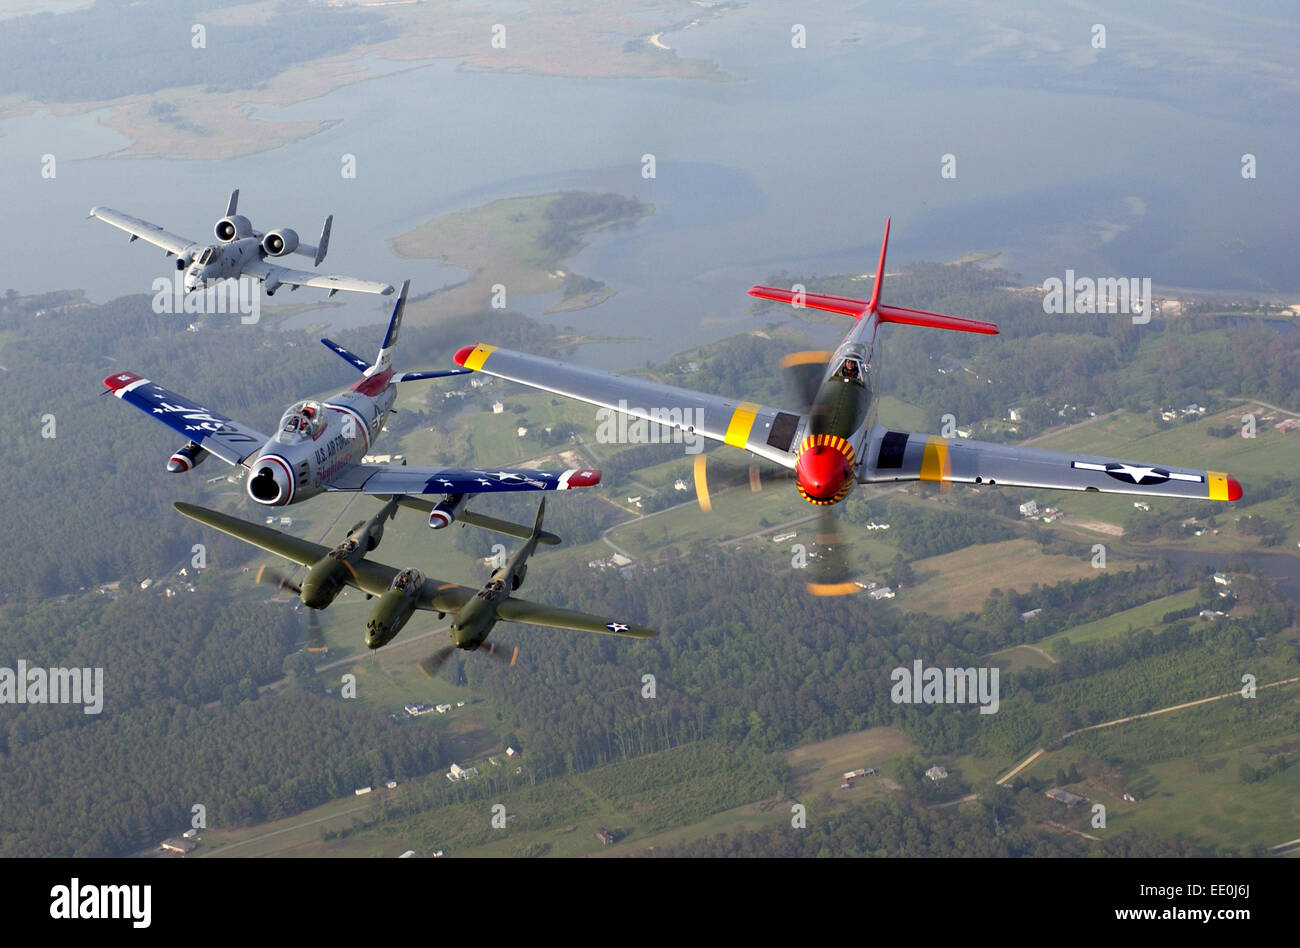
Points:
(1145, 616)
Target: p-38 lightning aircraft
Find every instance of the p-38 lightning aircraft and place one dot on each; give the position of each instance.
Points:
(832, 440)
(320, 445)
(241, 251)
(401, 593)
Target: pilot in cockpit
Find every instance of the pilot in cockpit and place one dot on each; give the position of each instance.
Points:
(851, 370)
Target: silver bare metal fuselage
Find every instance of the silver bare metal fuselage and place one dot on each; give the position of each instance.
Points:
(297, 464)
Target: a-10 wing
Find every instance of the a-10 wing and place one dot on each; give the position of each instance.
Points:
(894, 455)
(521, 610)
(274, 274)
(766, 432)
(138, 227)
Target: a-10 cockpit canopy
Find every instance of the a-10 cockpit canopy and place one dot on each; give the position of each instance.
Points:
(303, 421)
(210, 254)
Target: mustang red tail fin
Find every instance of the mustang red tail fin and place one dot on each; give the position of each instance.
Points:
(847, 306)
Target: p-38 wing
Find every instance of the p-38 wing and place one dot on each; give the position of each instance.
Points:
(893, 455)
(766, 432)
(237, 443)
(435, 596)
(364, 574)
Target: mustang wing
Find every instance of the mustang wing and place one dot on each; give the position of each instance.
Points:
(767, 432)
(521, 610)
(404, 479)
(137, 227)
(906, 456)
(275, 274)
(229, 440)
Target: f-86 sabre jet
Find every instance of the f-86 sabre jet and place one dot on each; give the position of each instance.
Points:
(319, 445)
(241, 251)
(399, 594)
(831, 440)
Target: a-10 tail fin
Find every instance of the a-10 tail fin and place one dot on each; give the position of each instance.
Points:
(859, 309)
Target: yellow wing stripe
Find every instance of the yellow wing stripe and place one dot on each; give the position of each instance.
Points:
(476, 358)
(934, 463)
(1218, 485)
(742, 420)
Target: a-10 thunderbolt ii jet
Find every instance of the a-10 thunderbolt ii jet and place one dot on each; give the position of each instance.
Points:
(241, 251)
(399, 594)
(319, 445)
(832, 441)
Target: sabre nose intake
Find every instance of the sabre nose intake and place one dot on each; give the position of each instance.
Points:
(270, 482)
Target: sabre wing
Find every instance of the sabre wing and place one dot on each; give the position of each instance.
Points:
(406, 479)
(232, 441)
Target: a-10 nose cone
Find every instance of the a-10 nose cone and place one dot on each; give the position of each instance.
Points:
(823, 474)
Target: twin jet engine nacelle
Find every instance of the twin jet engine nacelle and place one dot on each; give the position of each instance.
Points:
(278, 243)
(233, 228)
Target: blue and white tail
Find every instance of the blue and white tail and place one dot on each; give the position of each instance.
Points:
(383, 364)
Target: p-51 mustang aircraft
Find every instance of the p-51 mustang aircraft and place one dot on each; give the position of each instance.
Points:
(319, 445)
(831, 440)
(241, 251)
(401, 593)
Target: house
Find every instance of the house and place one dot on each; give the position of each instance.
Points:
(1029, 508)
(190, 834)
(881, 592)
(1223, 579)
(442, 708)
(415, 710)
(604, 835)
(460, 704)
(854, 774)
(783, 537)
(1141, 505)
(511, 752)
(1129, 798)
(679, 484)
(390, 785)
(457, 773)
(1030, 615)
(362, 791)
(286, 522)
(1061, 795)
(521, 431)
(178, 845)
(498, 407)
(146, 583)
(1013, 414)
(937, 773)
